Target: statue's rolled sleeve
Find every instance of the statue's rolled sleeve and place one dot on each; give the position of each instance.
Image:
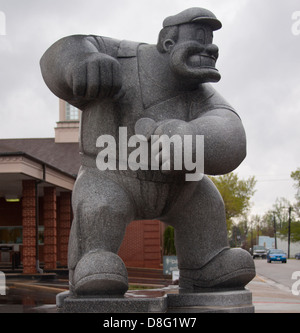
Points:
(76, 68)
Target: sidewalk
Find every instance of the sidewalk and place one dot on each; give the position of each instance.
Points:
(271, 297)
(39, 296)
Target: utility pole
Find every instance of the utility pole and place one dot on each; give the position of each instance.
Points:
(275, 231)
(289, 232)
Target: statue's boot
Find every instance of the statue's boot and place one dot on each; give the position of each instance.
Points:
(230, 269)
(99, 273)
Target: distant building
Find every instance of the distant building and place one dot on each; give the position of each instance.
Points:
(36, 181)
(267, 242)
(282, 244)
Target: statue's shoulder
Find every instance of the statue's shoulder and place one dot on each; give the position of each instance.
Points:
(206, 99)
(115, 47)
(128, 49)
(105, 45)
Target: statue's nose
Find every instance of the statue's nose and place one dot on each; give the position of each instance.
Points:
(212, 50)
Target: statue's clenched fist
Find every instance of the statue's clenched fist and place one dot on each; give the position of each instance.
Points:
(95, 75)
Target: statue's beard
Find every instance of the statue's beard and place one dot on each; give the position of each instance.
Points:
(189, 61)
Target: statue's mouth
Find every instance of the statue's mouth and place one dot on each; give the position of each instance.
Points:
(189, 60)
(201, 60)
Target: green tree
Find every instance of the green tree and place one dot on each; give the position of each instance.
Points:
(295, 224)
(267, 224)
(246, 231)
(281, 213)
(295, 175)
(236, 194)
(295, 231)
(169, 242)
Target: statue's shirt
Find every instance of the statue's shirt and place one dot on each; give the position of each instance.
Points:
(143, 97)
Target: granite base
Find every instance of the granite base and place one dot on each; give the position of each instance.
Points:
(166, 300)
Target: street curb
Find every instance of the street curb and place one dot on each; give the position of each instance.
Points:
(274, 283)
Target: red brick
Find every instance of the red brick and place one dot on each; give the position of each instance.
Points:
(64, 226)
(28, 223)
(28, 242)
(28, 232)
(29, 252)
(50, 233)
(141, 245)
(152, 241)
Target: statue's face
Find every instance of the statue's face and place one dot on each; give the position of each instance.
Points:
(194, 57)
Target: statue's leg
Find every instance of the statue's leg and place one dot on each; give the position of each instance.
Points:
(204, 257)
(102, 210)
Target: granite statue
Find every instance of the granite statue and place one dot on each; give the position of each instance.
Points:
(162, 89)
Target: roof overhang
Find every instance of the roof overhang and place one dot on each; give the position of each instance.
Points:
(18, 166)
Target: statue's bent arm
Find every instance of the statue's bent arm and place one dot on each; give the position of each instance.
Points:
(224, 140)
(80, 70)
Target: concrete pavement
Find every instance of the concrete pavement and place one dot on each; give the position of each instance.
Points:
(271, 297)
(39, 296)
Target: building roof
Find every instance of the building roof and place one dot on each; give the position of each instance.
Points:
(63, 156)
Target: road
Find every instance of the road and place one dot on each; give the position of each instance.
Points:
(278, 272)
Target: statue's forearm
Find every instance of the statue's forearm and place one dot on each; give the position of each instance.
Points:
(224, 141)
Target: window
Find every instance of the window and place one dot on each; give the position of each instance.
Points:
(10, 235)
(41, 235)
(72, 113)
(13, 235)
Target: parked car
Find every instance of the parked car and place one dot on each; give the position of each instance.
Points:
(297, 256)
(259, 252)
(276, 255)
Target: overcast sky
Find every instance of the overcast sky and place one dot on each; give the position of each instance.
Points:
(259, 63)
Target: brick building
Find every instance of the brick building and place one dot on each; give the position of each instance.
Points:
(36, 181)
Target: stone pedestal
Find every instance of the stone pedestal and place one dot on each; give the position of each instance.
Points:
(237, 301)
(166, 300)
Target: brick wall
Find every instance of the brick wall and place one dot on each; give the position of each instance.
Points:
(152, 248)
(141, 245)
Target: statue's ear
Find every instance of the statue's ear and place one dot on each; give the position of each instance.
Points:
(168, 45)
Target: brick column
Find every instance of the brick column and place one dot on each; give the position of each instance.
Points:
(64, 226)
(152, 252)
(28, 223)
(49, 212)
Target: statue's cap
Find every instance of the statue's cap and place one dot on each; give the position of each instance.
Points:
(191, 15)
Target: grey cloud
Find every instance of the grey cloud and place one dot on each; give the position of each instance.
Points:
(259, 63)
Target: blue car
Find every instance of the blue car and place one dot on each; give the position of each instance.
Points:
(276, 255)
